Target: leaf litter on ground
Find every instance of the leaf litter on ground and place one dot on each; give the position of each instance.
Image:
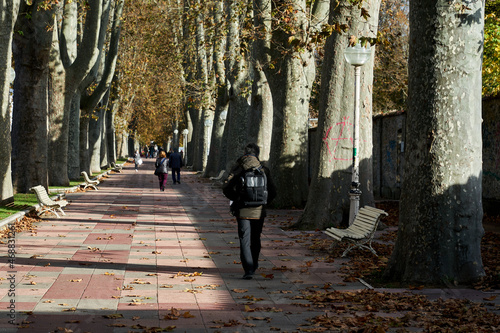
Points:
(374, 311)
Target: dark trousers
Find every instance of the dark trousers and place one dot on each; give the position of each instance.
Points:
(249, 232)
(176, 171)
(162, 178)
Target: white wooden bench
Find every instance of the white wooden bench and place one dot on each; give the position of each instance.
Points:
(361, 231)
(116, 167)
(46, 203)
(89, 182)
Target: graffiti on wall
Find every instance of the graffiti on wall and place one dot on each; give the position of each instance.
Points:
(334, 135)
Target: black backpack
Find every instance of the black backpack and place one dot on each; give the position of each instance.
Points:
(253, 187)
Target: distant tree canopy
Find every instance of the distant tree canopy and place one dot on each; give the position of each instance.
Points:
(149, 83)
(390, 86)
(149, 67)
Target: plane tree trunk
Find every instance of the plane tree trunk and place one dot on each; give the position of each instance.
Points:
(9, 10)
(328, 201)
(440, 224)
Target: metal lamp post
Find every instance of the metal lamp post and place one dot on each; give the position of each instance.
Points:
(185, 133)
(208, 123)
(176, 138)
(356, 56)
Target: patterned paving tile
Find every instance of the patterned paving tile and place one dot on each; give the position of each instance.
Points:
(129, 257)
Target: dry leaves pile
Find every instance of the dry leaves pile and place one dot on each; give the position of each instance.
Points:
(490, 252)
(363, 264)
(24, 224)
(373, 311)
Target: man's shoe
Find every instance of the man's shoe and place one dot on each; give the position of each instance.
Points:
(247, 276)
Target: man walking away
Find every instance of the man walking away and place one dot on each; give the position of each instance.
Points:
(249, 204)
(175, 162)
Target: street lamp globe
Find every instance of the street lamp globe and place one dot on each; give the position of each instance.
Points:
(357, 55)
(223, 115)
(185, 131)
(12, 74)
(176, 131)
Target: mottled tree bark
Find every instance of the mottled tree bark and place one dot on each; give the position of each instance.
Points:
(291, 80)
(65, 79)
(9, 10)
(31, 52)
(203, 113)
(102, 75)
(261, 105)
(110, 125)
(440, 224)
(237, 75)
(328, 201)
(221, 100)
(47, 82)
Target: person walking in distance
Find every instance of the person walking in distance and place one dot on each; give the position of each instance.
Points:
(250, 188)
(175, 162)
(161, 170)
(137, 160)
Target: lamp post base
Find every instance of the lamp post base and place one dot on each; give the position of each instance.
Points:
(354, 195)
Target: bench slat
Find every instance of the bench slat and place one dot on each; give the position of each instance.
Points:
(365, 218)
(362, 230)
(333, 235)
(89, 182)
(369, 213)
(365, 222)
(359, 231)
(46, 203)
(376, 210)
(349, 233)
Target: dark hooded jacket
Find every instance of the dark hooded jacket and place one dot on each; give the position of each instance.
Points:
(175, 160)
(230, 188)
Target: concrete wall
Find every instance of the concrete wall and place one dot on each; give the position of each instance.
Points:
(388, 149)
(491, 155)
(388, 154)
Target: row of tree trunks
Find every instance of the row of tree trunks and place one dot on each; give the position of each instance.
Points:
(439, 236)
(47, 91)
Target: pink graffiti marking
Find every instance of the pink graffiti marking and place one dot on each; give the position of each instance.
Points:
(344, 131)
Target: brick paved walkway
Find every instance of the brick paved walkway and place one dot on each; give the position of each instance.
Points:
(128, 258)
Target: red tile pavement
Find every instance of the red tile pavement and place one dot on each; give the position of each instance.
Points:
(130, 257)
(69, 286)
(105, 286)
